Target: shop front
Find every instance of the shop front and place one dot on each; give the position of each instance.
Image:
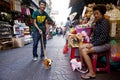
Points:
(5, 26)
(15, 24)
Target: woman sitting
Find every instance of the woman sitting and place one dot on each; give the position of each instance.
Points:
(99, 41)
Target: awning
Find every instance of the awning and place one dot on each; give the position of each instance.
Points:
(73, 2)
(36, 5)
(72, 16)
(78, 7)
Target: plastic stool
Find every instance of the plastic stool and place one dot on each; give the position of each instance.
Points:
(65, 48)
(72, 54)
(94, 62)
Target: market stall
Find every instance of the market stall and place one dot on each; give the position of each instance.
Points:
(86, 22)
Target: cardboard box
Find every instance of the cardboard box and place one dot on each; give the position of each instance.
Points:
(18, 42)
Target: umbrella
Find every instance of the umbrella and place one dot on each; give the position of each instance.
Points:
(73, 2)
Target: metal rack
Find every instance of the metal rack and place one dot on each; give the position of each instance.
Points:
(5, 35)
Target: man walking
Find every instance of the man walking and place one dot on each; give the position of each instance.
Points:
(40, 18)
(67, 26)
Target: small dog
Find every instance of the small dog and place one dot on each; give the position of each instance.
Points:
(47, 63)
(76, 65)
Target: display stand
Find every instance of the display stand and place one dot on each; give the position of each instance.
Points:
(27, 36)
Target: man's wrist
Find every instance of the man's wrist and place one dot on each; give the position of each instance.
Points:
(40, 30)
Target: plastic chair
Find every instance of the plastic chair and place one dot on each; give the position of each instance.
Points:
(94, 62)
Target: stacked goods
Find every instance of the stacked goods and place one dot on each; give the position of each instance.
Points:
(114, 13)
(5, 35)
(115, 28)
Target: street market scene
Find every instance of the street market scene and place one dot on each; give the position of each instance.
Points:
(59, 39)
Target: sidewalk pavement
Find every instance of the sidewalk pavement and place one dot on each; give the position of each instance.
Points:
(17, 64)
